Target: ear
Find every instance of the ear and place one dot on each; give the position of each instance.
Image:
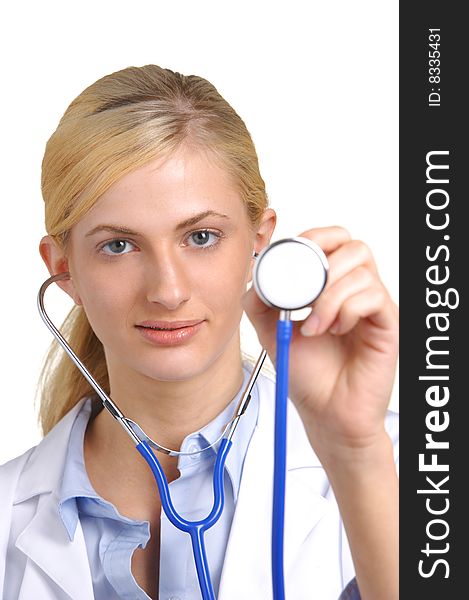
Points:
(57, 262)
(264, 233)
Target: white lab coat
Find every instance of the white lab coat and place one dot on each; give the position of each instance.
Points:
(37, 559)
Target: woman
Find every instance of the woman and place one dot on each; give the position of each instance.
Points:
(155, 205)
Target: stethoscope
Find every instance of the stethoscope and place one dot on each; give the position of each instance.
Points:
(289, 274)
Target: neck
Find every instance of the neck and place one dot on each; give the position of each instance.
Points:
(167, 411)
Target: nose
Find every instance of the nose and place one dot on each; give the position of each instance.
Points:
(167, 280)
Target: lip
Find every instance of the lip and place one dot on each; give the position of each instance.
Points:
(169, 324)
(171, 337)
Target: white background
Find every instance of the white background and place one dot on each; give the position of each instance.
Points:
(315, 82)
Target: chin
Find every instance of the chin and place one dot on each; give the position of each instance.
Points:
(174, 365)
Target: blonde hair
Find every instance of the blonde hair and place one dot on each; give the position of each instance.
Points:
(119, 123)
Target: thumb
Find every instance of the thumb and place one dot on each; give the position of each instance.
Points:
(262, 317)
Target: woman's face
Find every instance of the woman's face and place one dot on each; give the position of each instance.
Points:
(170, 241)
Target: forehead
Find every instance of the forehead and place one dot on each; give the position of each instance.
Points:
(167, 191)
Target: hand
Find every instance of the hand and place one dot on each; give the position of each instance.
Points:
(341, 375)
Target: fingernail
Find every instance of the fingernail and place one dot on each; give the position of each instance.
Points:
(310, 326)
(334, 328)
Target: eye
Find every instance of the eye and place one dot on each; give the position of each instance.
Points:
(116, 247)
(205, 239)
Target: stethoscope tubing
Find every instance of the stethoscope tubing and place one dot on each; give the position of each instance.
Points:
(283, 337)
(196, 529)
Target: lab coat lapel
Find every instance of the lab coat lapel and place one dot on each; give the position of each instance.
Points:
(46, 543)
(44, 540)
(247, 567)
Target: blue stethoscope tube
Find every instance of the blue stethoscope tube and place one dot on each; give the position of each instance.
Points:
(196, 529)
(284, 333)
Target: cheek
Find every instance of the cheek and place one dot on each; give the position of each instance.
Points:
(223, 287)
(106, 306)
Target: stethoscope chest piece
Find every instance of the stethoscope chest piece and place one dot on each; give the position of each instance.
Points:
(289, 274)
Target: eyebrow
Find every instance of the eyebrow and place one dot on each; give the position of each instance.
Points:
(187, 223)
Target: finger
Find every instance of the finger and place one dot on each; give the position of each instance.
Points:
(263, 318)
(252, 303)
(371, 303)
(328, 238)
(326, 309)
(257, 311)
(349, 256)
